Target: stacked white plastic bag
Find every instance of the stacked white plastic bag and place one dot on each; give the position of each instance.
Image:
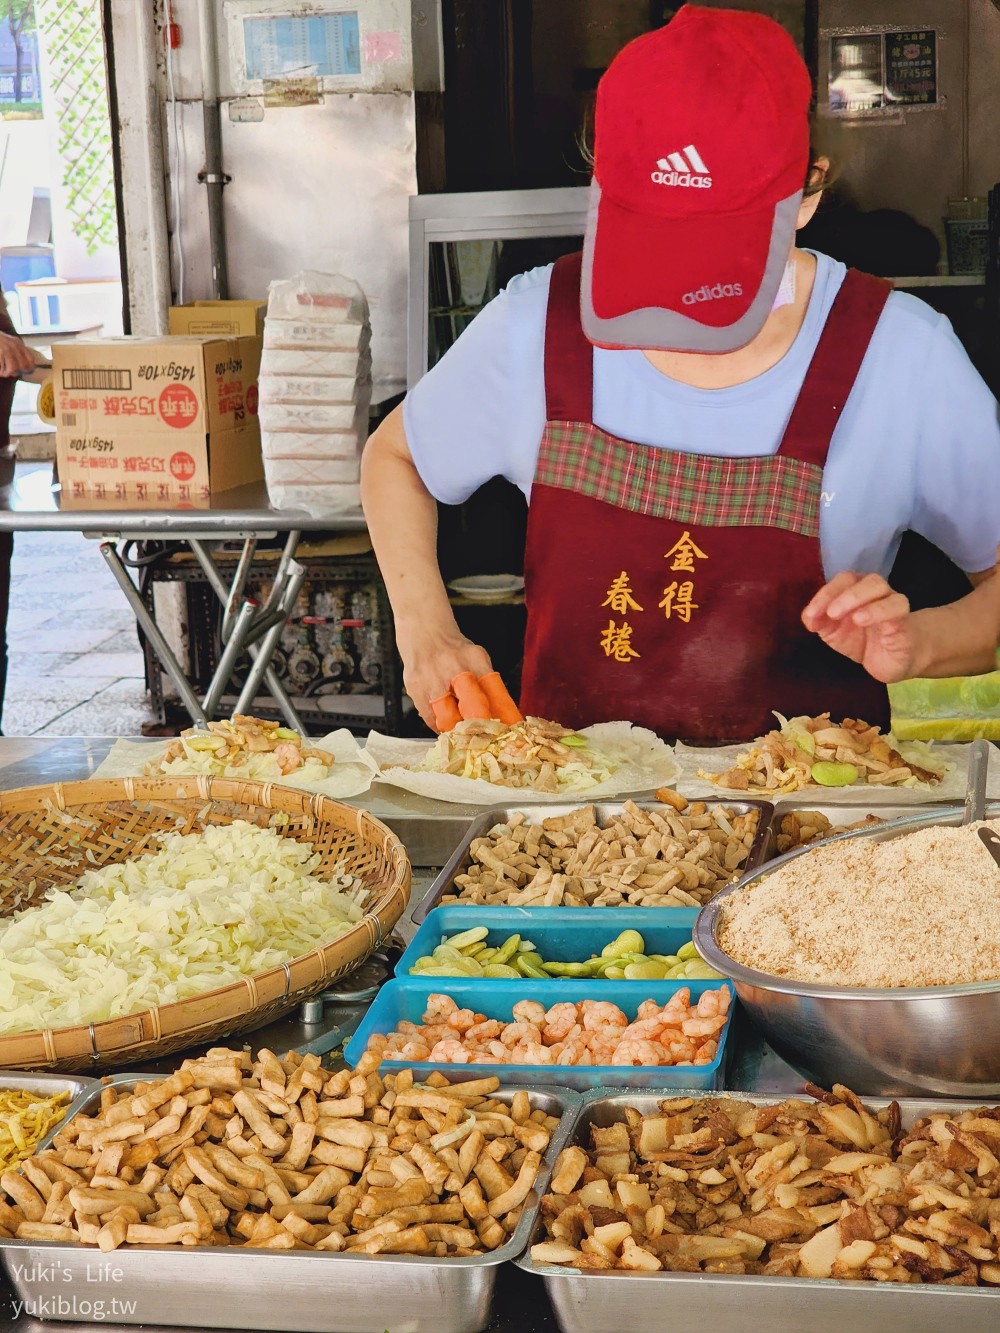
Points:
(315, 390)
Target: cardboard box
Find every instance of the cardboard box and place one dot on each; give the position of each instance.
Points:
(180, 387)
(217, 318)
(151, 468)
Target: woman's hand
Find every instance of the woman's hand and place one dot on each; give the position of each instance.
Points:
(15, 358)
(860, 616)
(432, 661)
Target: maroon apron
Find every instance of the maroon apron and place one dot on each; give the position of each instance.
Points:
(667, 588)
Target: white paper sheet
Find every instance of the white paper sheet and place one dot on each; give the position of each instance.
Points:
(645, 762)
(351, 774)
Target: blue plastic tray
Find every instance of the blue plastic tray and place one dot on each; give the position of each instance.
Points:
(406, 1000)
(561, 934)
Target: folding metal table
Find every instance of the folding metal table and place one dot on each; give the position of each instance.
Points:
(35, 503)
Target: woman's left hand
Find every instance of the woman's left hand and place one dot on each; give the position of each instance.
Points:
(860, 616)
(15, 358)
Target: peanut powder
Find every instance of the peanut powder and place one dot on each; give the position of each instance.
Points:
(917, 910)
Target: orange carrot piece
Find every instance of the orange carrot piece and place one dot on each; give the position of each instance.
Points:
(502, 706)
(472, 702)
(446, 713)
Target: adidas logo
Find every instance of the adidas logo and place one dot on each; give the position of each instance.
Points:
(713, 293)
(685, 168)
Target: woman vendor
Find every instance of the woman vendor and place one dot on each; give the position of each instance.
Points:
(722, 437)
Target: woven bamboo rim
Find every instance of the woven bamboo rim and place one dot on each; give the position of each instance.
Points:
(50, 834)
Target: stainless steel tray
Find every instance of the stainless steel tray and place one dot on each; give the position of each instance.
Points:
(842, 813)
(278, 1291)
(604, 809)
(605, 1302)
(80, 1090)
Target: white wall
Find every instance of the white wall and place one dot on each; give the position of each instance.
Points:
(24, 153)
(323, 187)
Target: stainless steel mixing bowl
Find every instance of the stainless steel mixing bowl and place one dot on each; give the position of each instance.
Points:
(941, 1039)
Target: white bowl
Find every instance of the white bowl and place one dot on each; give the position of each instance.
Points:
(488, 588)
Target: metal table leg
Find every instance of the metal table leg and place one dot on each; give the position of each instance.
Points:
(217, 583)
(246, 625)
(153, 632)
(237, 639)
(270, 641)
(236, 591)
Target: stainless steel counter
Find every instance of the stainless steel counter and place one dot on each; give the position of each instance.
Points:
(430, 831)
(34, 502)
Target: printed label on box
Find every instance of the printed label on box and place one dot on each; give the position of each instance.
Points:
(149, 386)
(182, 466)
(178, 406)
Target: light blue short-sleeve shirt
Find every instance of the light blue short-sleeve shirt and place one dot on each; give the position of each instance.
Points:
(917, 446)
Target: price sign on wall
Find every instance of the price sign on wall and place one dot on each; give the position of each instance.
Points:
(911, 68)
(874, 72)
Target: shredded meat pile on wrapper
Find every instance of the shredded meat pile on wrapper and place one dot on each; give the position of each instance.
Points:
(528, 754)
(778, 764)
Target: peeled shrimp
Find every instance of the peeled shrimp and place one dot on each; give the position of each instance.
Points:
(518, 1032)
(677, 1007)
(286, 756)
(530, 1053)
(590, 1032)
(485, 1031)
(450, 1053)
(647, 1029)
(463, 1019)
(603, 1044)
(633, 1052)
(559, 1020)
(438, 1008)
(682, 1050)
(712, 1003)
(576, 1051)
(415, 1050)
(602, 1013)
(703, 1027)
(435, 1032)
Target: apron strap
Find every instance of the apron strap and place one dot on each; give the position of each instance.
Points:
(834, 367)
(569, 357)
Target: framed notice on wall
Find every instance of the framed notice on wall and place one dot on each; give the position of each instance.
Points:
(880, 72)
(911, 67)
(857, 79)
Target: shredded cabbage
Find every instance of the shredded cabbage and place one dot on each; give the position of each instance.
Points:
(921, 754)
(204, 910)
(261, 766)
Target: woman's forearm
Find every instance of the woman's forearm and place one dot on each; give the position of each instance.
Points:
(402, 520)
(960, 639)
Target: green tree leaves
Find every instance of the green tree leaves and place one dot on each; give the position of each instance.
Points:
(74, 44)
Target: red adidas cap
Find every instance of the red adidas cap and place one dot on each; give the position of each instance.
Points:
(700, 159)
